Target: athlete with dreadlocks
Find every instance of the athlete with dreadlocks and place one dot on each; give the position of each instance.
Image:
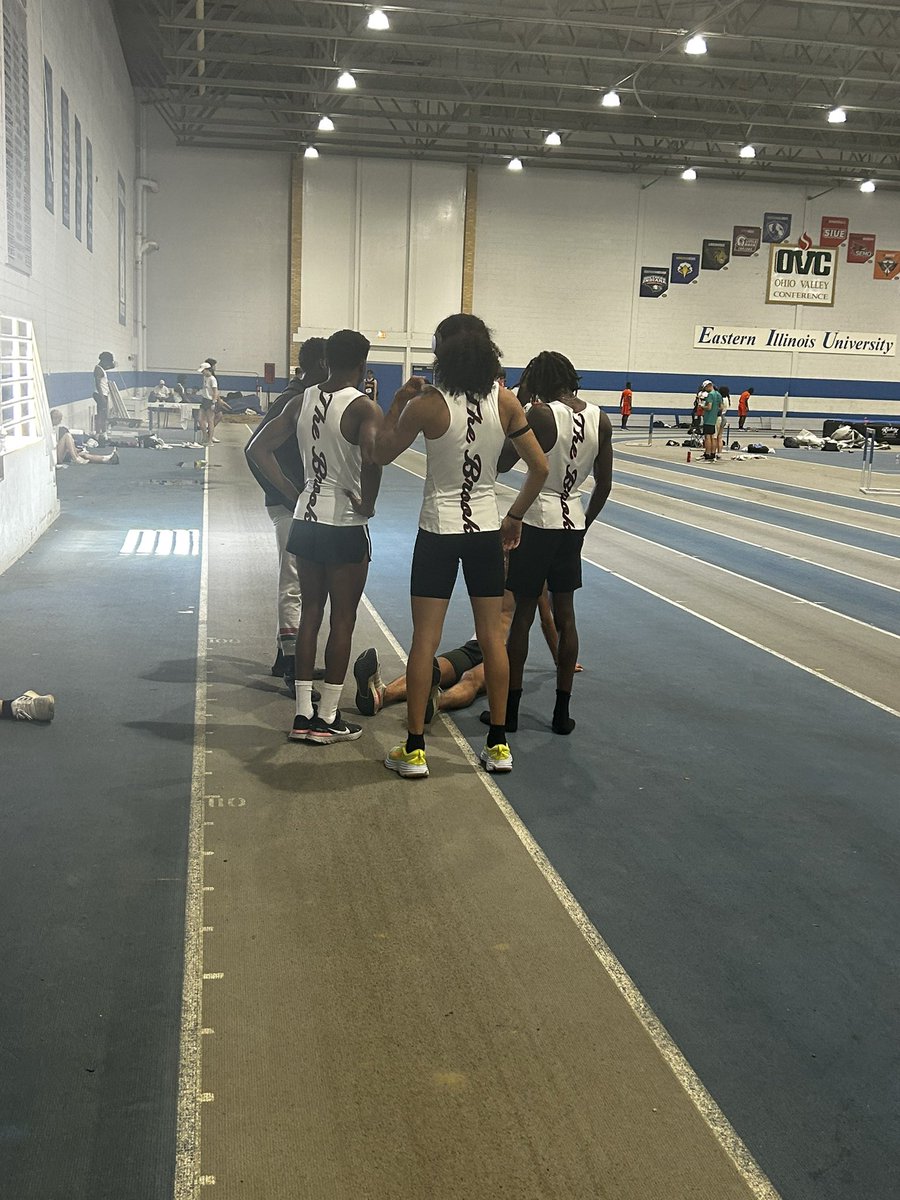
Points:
(577, 438)
(465, 418)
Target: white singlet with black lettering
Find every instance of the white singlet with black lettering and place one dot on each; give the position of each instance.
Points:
(330, 463)
(461, 467)
(570, 460)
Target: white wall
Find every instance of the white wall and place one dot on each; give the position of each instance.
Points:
(219, 282)
(71, 295)
(27, 499)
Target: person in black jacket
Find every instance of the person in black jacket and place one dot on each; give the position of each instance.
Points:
(312, 370)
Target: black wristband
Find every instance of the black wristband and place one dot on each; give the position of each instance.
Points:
(513, 517)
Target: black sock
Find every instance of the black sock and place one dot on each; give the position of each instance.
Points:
(496, 735)
(512, 711)
(6, 712)
(562, 722)
(415, 741)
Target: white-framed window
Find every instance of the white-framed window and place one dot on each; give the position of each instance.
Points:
(19, 407)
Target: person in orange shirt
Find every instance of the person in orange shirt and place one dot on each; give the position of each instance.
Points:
(744, 406)
(625, 403)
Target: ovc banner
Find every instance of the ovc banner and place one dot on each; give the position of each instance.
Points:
(802, 274)
(685, 268)
(654, 281)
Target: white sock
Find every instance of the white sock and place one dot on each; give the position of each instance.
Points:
(303, 693)
(331, 696)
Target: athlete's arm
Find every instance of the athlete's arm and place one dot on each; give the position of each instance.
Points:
(540, 418)
(368, 418)
(603, 465)
(402, 423)
(261, 449)
(517, 428)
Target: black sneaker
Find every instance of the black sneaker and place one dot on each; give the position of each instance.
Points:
(300, 729)
(278, 664)
(369, 687)
(432, 706)
(338, 731)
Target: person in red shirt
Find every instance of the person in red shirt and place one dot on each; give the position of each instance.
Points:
(744, 406)
(625, 403)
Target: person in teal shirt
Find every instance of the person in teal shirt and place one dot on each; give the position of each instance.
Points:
(709, 410)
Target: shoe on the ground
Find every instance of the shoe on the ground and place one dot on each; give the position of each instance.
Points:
(338, 731)
(434, 696)
(278, 664)
(214, 440)
(31, 706)
(114, 460)
(369, 686)
(300, 728)
(410, 764)
(497, 758)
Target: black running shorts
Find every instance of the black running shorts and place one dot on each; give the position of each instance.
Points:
(463, 659)
(551, 556)
(709, 431)
(329, 545)
(436, 560)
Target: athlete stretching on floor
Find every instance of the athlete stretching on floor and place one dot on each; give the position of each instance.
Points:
(577, 438)
(335, 426)
(465, 419)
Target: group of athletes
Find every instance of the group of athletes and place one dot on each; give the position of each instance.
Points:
(319, 455)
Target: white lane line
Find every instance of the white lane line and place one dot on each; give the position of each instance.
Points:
(187, 1146)
(722, 1129)
(693, 487)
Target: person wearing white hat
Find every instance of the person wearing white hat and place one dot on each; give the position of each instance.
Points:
(699, 401)
(209, 395)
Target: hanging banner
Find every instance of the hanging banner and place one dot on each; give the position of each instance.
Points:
(715, 255)
(123, 253)
(887, 264)
(745, 240)
(807, 341)
(860, 247)
(654, 281)
(685, 268)
(776, 227)
(802, 274)
(834, 231)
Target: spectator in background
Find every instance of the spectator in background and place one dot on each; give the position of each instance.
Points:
(160, 393)
(68, 452)
(179, 391)
(625, 403)
(725, 393)
(744, 406)
(709, 413)
(312, 370)
(209, 395)
(105, 364)
(370, 386)
(699, 399)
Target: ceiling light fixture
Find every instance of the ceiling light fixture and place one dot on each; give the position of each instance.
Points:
(514, 164)
(695, 45)
(326, 125)
(837, 116)
(346, 82)
(310, 152)
(378, 19)
(689, 174)
(868, 185)
(747, 151)
(552, 139)
(610, 99)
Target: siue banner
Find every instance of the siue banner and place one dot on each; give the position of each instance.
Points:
(685, 268)
(834, 231)
(654, 281)
(776, 227)
(715, 255)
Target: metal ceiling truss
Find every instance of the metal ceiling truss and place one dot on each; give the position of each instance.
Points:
(466, 82)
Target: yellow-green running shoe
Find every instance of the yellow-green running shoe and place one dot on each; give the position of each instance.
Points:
(497, 758)
(410, 765)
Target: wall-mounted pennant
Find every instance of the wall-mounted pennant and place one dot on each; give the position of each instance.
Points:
(834, 231)
(654, 281)
(745, 240)
(887, 264)
(776, 227)
(860, 247)
(716, 254)
(685, 268)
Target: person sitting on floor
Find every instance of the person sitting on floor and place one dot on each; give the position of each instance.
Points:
(30, 706)
(67, 451)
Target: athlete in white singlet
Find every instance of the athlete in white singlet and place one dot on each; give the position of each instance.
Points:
(335, 425)
(577, 438)
(464, 420)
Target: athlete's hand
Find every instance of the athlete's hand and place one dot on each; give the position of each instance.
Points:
(357, 505)
(413, 387)
(510, 533)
